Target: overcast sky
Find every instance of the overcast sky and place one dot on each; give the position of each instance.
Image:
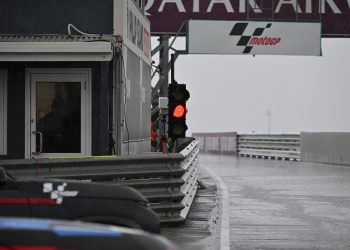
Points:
(234, 93)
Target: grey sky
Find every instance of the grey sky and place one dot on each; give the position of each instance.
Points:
(233, 93)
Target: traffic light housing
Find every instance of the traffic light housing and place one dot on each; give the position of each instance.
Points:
(177, 95)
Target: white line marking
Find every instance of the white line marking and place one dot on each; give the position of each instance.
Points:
(225, 213)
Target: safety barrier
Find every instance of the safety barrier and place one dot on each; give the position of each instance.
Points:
(190, 178)
(169, 181)
(217, 143)
(326, 147)
(277, 146)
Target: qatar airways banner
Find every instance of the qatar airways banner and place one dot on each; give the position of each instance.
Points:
(253, 38)
(168, 16)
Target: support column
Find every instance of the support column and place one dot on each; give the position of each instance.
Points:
(163, 63)
(163, 90)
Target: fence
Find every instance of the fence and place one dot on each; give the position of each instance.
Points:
(217, 143)
(277, 146)
(169, 181)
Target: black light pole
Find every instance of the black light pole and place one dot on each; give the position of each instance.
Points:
(172, 64)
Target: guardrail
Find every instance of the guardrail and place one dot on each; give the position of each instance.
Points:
(282, 146)
(169, 181)
(190, 178)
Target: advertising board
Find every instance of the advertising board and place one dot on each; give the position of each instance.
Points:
(137, 31)
(168, 16)
(253, 38)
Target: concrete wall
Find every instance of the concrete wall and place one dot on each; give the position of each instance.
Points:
(331, 148)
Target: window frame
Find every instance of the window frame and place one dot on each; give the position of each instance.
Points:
(3, 112)
(33, 74)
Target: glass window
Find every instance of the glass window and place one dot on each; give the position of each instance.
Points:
(3, 112)
(58, 112)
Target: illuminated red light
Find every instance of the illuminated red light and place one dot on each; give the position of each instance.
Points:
(179, 111)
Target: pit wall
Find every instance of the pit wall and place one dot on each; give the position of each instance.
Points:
(330, 148)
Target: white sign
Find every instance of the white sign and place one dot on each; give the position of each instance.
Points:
(137, 33)
(254, 38)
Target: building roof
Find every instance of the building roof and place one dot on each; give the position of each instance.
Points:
(48, 38)
(55, 47)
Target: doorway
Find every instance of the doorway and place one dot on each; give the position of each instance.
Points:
(58, 115)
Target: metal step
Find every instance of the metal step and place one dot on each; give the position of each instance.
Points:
(167, 207)
(158, 197)
(153, 183)
(171, 220)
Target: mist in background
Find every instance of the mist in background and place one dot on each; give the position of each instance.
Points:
(241, 93)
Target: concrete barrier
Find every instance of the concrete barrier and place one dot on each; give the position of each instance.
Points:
(330, 148)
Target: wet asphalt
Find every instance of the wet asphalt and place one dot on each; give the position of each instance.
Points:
(200, 230)
(271, 205)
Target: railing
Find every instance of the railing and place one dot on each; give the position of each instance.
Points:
(282, 146)
(276, 146)
(169, 181)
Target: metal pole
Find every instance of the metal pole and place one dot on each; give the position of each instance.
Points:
(163, 63)
(268, 113)
(172, 68)
(270, 122)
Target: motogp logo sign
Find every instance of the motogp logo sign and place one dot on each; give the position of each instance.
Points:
(253, 38)
(249, 41)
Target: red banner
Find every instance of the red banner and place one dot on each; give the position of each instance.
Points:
(168, 16)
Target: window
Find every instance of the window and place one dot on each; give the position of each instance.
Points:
(3, 112)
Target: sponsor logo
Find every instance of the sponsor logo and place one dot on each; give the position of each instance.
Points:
(307, 7)
(138, 33)
(255, 39)
(264, 41)
(59, 193)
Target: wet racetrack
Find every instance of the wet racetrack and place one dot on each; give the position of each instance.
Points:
(269, 205)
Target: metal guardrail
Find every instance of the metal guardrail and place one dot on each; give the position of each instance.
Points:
(281, 146)
(190, 178)
(169, 181)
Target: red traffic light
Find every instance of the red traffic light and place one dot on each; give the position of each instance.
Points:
(179, 111)
(178, 95)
